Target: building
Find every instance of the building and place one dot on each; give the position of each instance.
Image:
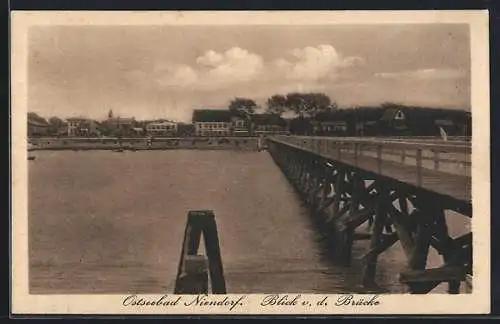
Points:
(138, 131)
(240, 124)
(162, 128)
(329, 127)
(421, 121)
(390, 120)
(37, 128)
(208, 122)
(117, 126)
(268, 124)
(185, 130)
(80, 126)
(394, 122)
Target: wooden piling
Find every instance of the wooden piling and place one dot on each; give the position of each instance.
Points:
(370, 266)
(191, 271)
(347, 235)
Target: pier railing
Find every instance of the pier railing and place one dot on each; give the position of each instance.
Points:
(423, 162)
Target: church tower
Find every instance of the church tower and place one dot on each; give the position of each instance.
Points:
(110, 114)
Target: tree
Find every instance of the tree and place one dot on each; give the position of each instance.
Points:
(35, 117)
(309, 103)
(242, 103)
(56, 121)
(55, 124)
(276, 104)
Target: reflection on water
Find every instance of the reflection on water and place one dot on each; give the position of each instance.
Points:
(105, 222)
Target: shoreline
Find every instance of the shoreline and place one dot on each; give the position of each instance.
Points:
(142, 144)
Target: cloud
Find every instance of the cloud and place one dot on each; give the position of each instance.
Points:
(424, 74)
(315, 63)
(353, 61)
(237, 66)
(177, 76)
(210, 58)
(212, 70)
(234, 65)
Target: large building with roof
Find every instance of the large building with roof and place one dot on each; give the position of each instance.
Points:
(162, 128)
(388, 120)
(211, 122)
(37, 128)
(81, 126)
(268, 124)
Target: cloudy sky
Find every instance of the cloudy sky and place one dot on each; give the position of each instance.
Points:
(167, 71)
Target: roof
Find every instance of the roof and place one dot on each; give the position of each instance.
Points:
(268, 119)
(389, 114)
(77, 119)
(121, 119)
(163, 122)
(211, 115)
(37, 123)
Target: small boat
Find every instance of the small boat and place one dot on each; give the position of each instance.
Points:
(118, 150)
(31, 157)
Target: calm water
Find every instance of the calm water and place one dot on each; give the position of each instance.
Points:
(105, 222)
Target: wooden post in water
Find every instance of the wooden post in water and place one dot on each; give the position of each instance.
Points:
(448, 248)
(339, 187)
(370, 267)
(419, 166)
(347, 235)
(421, 244)
(192, 274)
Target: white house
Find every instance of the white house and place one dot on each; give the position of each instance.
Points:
(209, 122)
(165, 128)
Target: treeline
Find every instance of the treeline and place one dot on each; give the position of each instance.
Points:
(303, 104)
(384, 120)
(315, 110)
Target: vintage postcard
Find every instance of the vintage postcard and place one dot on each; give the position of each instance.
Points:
(250, 162)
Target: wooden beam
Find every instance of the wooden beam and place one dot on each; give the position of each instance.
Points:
(402, 227)
(386, 242)
(361, 236)
(418, 258)
(190, 264)
(445, 273)
(370, 267)
(347, 234)
(194, 278)
(356, 219)
(338, 192)
(325, 205)
(213, 253)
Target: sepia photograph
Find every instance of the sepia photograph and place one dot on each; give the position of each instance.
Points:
(191, 155)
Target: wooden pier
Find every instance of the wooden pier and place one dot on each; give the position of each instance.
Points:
(402, 188)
